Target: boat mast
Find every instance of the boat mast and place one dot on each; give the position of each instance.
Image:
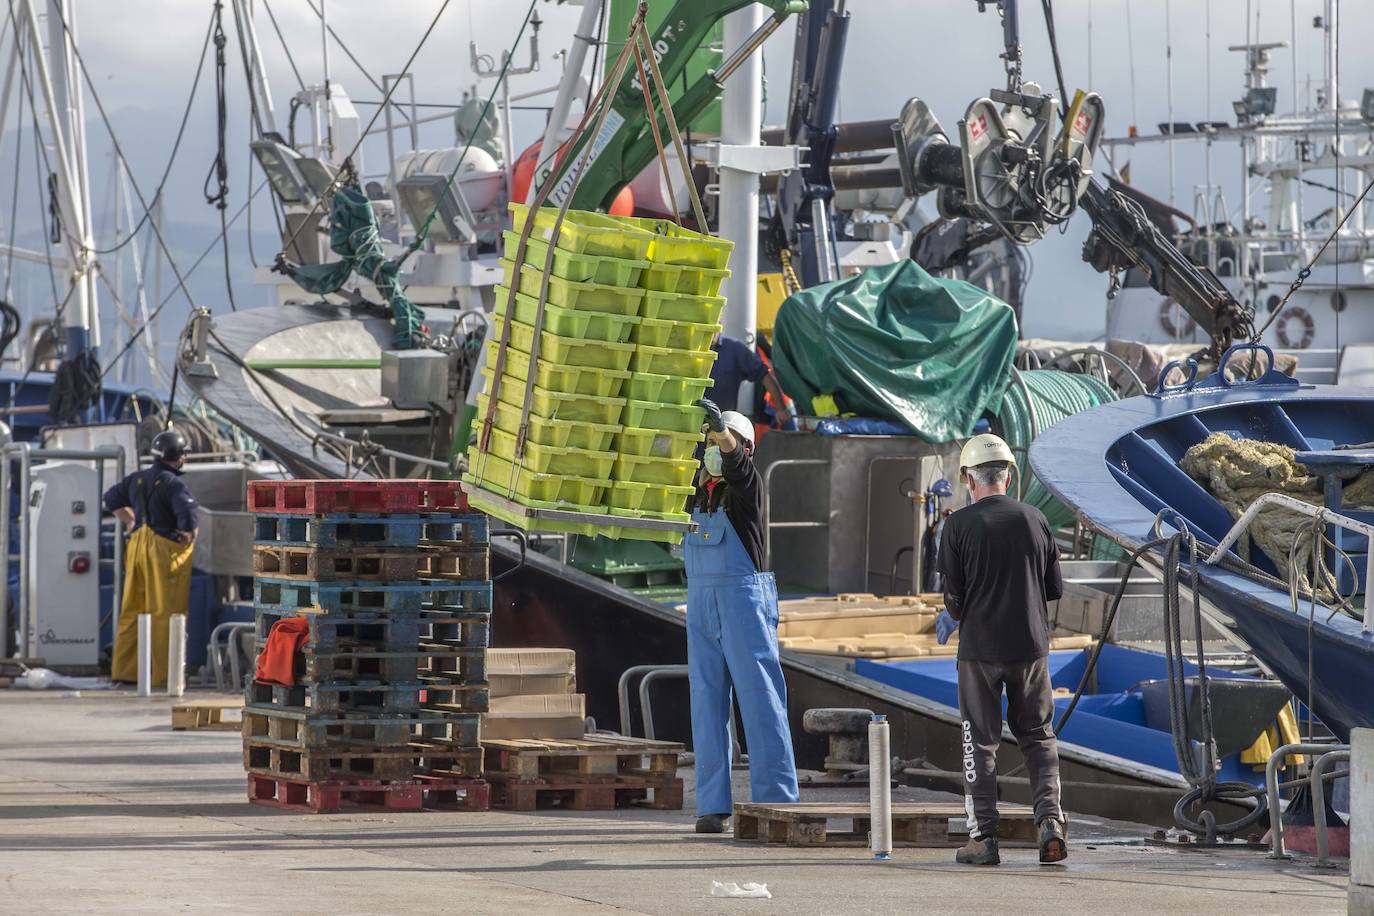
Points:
(584, 36)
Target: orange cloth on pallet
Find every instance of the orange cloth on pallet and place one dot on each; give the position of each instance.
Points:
(277, 661)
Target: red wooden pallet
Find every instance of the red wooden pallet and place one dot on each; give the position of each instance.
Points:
(323, 497)
(330, 795)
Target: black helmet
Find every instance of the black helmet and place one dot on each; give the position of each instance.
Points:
(169, 445)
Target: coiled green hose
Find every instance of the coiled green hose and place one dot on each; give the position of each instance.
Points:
(1053, 395)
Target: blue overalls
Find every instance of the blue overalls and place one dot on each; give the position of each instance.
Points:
(732, 640)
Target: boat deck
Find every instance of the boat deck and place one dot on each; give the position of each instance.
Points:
(106, 809)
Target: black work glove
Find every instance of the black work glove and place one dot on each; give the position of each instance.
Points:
(713, 417)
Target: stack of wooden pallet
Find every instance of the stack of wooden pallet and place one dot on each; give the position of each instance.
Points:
(611, 367)
(383, 708)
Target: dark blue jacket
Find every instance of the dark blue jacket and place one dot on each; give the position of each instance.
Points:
(159, 498)
(736, 363)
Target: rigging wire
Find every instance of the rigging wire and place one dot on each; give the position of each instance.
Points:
(386, 100)
(1130, 56)
(286, 49)
(219, 167)
(357, 63)
(14, 190)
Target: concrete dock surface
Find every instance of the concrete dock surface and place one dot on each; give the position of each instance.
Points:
(104, 809)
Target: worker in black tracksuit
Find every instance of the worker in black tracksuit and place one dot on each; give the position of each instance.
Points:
(1000, 567)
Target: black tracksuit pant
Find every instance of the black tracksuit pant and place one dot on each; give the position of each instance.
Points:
(1030, 714)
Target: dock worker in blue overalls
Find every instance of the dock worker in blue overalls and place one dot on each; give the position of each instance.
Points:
(156, 505)
(732, 627)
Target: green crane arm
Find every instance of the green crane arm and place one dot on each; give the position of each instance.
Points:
(624, 145)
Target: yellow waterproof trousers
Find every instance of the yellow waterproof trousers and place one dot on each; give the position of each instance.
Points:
(157, 581)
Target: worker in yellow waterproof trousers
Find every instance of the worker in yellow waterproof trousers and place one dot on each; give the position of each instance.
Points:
(157, 505)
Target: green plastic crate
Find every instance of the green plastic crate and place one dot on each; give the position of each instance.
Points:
(495, 474)
(663, 278)
(580, 324)
(567, 351)
(552, 459)
(681, 307)
(673, 472)
(584, 232)
(555, 405)
(678, 335)
(674, 244)
(588, 268)
(665, 389)
(478, 501)
(569, 294)
(673, 418)
(628, 496)
(597, 437)
(656, 443)
(605, 383)
(665, 361)
(701, 281)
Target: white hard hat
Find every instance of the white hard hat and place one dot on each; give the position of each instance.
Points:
(985, 449)
(739, 424)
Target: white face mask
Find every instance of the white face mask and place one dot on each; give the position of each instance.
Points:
(713, 461)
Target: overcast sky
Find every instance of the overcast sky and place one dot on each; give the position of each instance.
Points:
(142, 55)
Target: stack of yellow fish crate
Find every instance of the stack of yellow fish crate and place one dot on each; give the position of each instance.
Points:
(624, 352)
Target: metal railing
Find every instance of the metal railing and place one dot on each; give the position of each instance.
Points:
(1272, 786)
(1321, 513)
(768, 523)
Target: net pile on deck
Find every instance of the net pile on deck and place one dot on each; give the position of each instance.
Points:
(601, 359)
(1239, 471)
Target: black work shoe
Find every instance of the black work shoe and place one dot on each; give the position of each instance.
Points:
(1054, 845)
(979, 852)
(713, 823)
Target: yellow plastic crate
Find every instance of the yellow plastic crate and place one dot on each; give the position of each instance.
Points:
(656, 443)
(589, 268)
(569, 294)
(625, 533)
(681, 307)
(628, 496)
(552, 459)
(597, 437)
(662, 278)
(567, 351)
(584, 232)
(673, 472)
(605, 383)
(665, 389)
(497, 475)
(580, 324)
(665, 361)
(673, 418)
(478, 501)
(701, 281)
(674, 244)
(555, 405)
(679, 335)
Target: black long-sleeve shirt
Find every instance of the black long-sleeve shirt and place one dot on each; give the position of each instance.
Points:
(741, 489)
(1000, 566)
(159, 498)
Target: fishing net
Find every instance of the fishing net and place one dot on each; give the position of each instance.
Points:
(1239, 471)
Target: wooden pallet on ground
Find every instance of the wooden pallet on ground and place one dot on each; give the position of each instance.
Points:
(326, 796)
(591, 755)
(585, 793)
(207, 714)
(921, 825)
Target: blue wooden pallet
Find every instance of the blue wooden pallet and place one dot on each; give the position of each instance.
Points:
(461, 665)
(371, 696)
(295, 728)
(383, 597)
(343, 631)
(363, 530)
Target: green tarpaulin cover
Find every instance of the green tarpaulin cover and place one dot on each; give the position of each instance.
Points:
(896, 342)
(354, 237)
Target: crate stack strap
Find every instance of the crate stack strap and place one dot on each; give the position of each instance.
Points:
(389, 684)
(624, 353)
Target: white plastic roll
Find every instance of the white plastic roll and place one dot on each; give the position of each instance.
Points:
(176, 655)
(145, 655)
(879, 788)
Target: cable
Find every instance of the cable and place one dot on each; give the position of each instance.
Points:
(219, 167)
(282, 38)
(1047, 6)
(386, 100)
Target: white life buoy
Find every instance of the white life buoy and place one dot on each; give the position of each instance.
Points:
(1170, 321)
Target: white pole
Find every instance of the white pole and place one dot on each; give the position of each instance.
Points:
(328, 108)
(176, 655)
(507, 133)
(880, 788)
(256, 69)
(583, 38)
(145, 655)
(741, 120)
(1169, 82)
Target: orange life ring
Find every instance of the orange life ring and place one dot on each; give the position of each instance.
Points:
(1169, 321)
(1309, 328)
